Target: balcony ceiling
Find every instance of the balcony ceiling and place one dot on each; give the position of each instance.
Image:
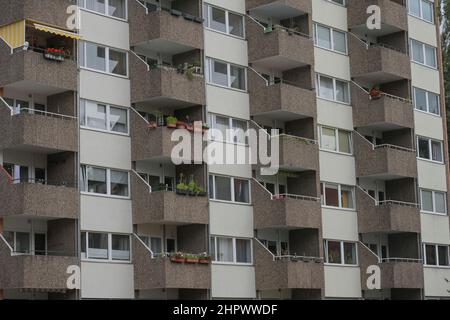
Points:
(280, 115)
(363, 31)
(278, 63)
(164, 46)
(276, 11)
(30, 87)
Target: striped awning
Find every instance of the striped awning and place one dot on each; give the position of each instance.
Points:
(13, 34)
(57, 31)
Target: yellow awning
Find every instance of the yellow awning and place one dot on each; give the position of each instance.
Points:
(57, 31)
(13, 34)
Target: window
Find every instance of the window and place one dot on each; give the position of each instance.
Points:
(226, 74)
(231, 250)
(423, 54)
(104, 181)
(105, 246)
(426, 101)
(223, 21)
(436, 255)
(99, 116)
(329, 38)
(335, 139)
(336, 195)
(422, 9)
(340, 252)
(433, 201)
(341, 2)
(229, 189)
(332, 89)
(228, 129)
(429, 149)
(100, 58)
(112, 8)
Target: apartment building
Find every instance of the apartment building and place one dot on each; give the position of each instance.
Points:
(88, 180)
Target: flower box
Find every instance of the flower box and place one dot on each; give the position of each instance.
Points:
(54, 54)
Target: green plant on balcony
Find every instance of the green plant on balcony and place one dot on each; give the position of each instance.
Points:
(177, 257)
(171, 122)
(182, 187)
(192, 258)
(205, 127)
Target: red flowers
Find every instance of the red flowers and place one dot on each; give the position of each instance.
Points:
(54, 50)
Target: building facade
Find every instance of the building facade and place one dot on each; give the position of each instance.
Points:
(88, 185)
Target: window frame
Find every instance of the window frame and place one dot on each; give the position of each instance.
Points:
(430, 150)
(233, 200)
(207, 20)
(427, 98)
(107, 49)
(436, 252)
(208, 73)
(331, 31)
(337, 140)
(424, 46)
(433, 202)
(342, 252)
(229, 130)
(82, 5)
(108, 182)
(214, 256)
(108, 117)
(420, 16)
(318, 81)
(339, 187)
(110, 259)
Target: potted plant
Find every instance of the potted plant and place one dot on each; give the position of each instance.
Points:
(182, 189)
(162, 187)
(171, 122)
(204, 259)
(375, 92)
(152, 125)
(191, 258)
(177, 258)
(205, 128)
(54, 54)
(190, 73)
(181, 125)
(192, 187)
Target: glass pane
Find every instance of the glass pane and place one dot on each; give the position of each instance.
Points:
(439, 199)
(218, 20)
(96, 5)
(433, 103)
(347, 197)
(329, 139)
(156, 245)
(237, 77)
(224, 249)
(117, 62)
(344, 141)
(272, 247)
(96, 180)
(116, 8)
(326, 89)
(420, 99)
(221, 124)
(427, 200)
(430, 252)
(82, 112)
(120, 247)
(223, 188)
(339, 41)
(443, 255)
(119, 183)
(417, 51)
(243, 251)
(22, 242)
(83, 245)
(96, 115)
(427, 11)
(334, 252)
(239, 131)
(323, 37)
(118, 120)
(219, 73)
(211, 187)
(95, 57)
(342, 91)
(331, 195)
(170, 245)
(414, 7)
(436, 150)
(39, 175)
(236, 24)
(212, 247)
(241, 191)
(349, 253)
(424, 149)
(98, 246)
(430, 56)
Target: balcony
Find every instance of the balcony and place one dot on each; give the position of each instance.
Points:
(393, 15)
(387, 216)
(43, 273)
(48, 11)
(278, 49)
(281, 100)
(41, 132)
(164, 86)
(162, 273)
(165, 206)
(286, 273)
(166, 28)
(383, 161)
(395, 273)
(297, 153)
(386, 112)
(282, 211)
(377, 63)
(281, 8)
